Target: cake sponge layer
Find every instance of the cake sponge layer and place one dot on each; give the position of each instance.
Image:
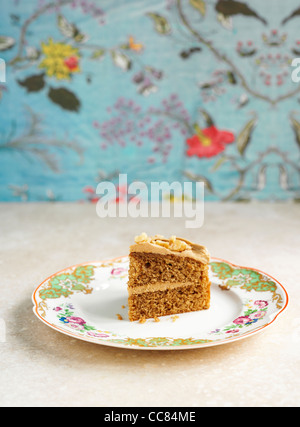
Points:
(170, 301)
(148, 268)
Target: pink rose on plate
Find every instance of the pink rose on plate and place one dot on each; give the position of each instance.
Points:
(242, 320)
(261, 303)
(76, 326)
(97, 335)
(117, 271)
(76, 320)
(233, 331)
(257, 315)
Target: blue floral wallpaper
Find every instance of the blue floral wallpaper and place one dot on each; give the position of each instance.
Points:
(162, 90)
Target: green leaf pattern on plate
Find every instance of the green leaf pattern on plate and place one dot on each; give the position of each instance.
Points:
(80, 278)
(247, 279)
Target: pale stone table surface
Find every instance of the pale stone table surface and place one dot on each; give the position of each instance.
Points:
(41, 367)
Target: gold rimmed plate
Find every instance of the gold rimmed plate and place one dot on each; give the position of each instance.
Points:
(89, 302)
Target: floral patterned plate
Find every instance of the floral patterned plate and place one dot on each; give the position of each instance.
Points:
(89, 302)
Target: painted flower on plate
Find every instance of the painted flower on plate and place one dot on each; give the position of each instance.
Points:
(261, 303)
(242, 320)
(76, 320)
(208, 142)
(75, 326)
(64, 320)
(258, 315)
(97, 335)
(117, 271)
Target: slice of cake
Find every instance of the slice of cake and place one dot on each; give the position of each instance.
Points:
(167, 276)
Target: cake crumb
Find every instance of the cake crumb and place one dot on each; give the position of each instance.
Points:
(123, 306)
(174, 318)
(142, 320)
(224, 287)
(119, 317)
(156, 319)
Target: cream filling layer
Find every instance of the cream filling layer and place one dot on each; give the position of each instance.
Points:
(159, 286)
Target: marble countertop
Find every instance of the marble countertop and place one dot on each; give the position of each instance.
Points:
(41, 367)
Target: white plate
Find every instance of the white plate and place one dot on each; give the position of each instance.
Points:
(89, 302)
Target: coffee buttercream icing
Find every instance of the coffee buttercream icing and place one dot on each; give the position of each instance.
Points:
(173, 246)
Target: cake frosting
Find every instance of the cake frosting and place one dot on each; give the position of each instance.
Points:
(162, 246)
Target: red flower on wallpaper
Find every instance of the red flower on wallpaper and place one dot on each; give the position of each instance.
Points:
(208, 142)
(72, 63)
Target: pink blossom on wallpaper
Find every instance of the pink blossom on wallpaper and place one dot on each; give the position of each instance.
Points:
(131, 124)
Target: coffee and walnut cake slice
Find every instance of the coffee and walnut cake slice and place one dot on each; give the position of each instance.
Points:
(167, 276)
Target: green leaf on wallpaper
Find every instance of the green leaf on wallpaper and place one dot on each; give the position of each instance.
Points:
(225, 21)
(244, 136)
(200, 5)
(207, 118)
(161, 24)
(121, 60)
(70, 30)
(33, 83)
(98, 54)
(66, 28)
(6, 43)
(65, 99)
(231, 78)
(221, 160)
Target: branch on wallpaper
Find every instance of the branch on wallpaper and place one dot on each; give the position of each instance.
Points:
(223, 58)
(256, 171)
(125, 54)
(62, 60)
(30, 20)
(32, 143)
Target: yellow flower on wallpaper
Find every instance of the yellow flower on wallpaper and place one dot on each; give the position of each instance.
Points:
(61, 60)
(133, 45)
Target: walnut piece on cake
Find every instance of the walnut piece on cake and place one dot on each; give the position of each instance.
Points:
(167, 276)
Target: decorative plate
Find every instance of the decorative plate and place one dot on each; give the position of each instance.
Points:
(89, 302)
